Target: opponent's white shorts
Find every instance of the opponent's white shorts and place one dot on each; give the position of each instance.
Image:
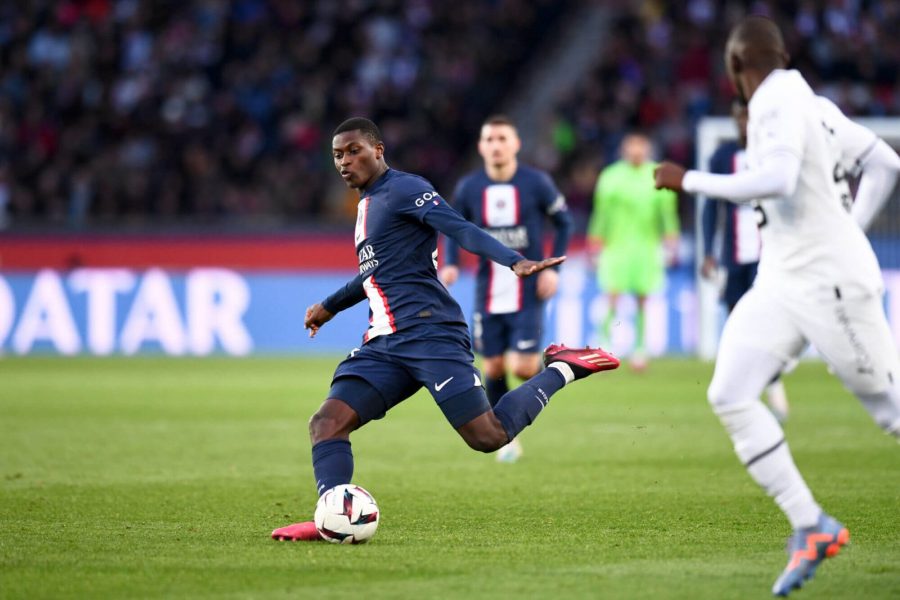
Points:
(848, 328)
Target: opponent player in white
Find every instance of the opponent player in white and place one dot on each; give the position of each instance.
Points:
(818, 280)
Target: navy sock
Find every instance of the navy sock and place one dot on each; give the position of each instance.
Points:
(496, 389)
(332, 464)
(519, 408)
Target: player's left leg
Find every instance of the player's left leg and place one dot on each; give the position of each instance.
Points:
(520, 407)
(759, 337)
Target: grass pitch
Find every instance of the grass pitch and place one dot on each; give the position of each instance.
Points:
(159, 478)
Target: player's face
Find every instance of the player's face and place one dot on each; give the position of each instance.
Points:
(732, 67)
(356, 158)
(636, 149)
(498, 144)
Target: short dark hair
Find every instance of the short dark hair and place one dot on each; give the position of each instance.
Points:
(499, 119)
(361, 124)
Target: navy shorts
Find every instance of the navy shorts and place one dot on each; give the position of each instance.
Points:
(516, 332)
(738, 280)
(391, 368)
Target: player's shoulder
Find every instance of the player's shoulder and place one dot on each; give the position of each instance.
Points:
(405, 184)
(533, 175)
(782, 89)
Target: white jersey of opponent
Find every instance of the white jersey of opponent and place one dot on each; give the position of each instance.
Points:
(809, 240)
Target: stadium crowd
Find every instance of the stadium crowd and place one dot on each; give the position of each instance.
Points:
(662, 70)
(123, 111)
(132, 111)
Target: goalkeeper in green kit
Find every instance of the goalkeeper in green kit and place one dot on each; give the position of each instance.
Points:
(630, 222)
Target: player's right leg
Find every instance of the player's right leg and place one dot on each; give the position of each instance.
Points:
(853, 335)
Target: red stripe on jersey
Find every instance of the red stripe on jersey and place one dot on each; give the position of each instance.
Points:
(387, 311)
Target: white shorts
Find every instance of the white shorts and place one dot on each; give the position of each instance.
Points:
(847, 327)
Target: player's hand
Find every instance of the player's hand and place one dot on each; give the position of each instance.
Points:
(526, 267)
(708, 267)
(669, 175)
(316, 316)
(448, 275)
(546, 284)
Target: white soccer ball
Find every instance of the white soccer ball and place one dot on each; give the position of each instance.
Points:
(347, 514)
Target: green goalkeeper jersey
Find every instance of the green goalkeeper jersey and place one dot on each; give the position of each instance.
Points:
(631, 217)
(628, 210)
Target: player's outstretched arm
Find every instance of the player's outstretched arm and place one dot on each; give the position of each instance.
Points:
(468, 235)
(526, 267)
(775, 177)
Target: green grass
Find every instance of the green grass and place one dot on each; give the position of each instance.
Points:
(158, 478)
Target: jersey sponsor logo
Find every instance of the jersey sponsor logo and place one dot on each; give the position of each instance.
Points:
(367, 260)
(512, 237)
(439, 386)
(426, 197)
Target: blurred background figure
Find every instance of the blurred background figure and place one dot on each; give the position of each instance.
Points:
(630, 221)
(511, 201)
(740, 243)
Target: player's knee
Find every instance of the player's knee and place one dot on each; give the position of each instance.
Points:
(526, 371)
(493, 368)
(718, 396)
(324, 427)
(487, 441)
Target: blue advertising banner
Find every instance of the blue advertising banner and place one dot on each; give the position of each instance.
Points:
(220, 311)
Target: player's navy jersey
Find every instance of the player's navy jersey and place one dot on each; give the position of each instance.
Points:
(740, 235)
(513, 212)
(397, 252)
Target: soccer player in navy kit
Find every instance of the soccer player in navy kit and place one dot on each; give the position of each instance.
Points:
(417, 334)
(740, 239)
(510, 201)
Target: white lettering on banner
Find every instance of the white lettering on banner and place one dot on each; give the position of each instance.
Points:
(216, 301)
(7, 310)
(101, 287)
(46, 316)
(154, 316)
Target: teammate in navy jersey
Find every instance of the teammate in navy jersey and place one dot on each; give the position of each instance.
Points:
(417, 335)
(740, 240)
(511, 202)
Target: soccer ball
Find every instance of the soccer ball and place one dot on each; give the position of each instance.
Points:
(347, 514)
